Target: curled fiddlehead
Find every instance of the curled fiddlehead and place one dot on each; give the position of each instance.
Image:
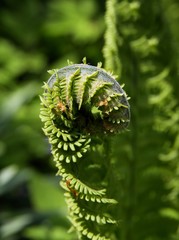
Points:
(80, 104)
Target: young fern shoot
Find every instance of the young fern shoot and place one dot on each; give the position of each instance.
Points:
(81, 104)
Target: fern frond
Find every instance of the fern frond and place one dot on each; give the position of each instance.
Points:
(82, 188)
(79, 103)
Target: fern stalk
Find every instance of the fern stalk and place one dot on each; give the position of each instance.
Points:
(112, 38)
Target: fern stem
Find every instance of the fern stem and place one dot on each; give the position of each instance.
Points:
(112, 39)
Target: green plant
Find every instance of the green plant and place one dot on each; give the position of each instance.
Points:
(141, 166)
(82, 105)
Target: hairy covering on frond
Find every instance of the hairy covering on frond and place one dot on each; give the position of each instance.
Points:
(79, 103)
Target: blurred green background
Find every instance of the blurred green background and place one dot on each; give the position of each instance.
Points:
(36, 36)
(39, 35)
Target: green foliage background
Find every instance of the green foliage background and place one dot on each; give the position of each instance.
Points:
(39, 35)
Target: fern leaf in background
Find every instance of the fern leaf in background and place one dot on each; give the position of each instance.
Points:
(147, 151)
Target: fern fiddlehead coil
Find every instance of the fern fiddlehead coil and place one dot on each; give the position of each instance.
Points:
(79, 103)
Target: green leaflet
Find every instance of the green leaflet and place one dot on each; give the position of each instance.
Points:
(79, 103)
